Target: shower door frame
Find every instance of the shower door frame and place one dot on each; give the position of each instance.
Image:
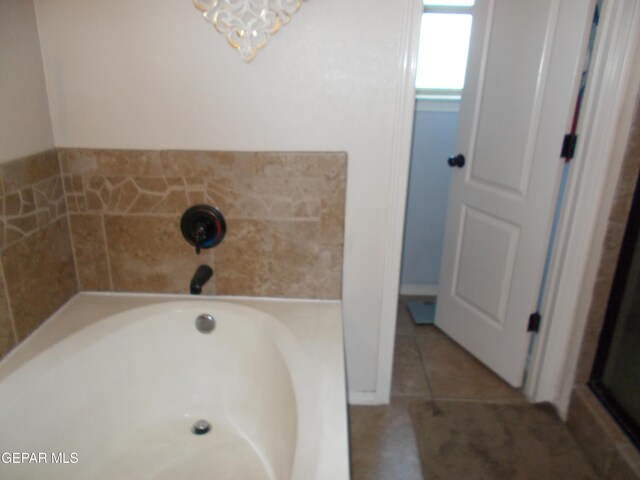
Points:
(629, 248)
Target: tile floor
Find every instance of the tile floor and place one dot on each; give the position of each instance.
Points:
(451, 418)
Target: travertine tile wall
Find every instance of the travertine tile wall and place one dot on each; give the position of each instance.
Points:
(37, 272)
(117, 213)
(284, 213)
(610, 451)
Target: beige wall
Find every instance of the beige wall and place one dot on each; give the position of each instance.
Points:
(25, 126)
(152, 74)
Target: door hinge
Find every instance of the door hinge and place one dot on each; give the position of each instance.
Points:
(534, 322)
(569, 146)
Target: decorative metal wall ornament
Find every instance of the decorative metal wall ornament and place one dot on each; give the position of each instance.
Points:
(248, 24)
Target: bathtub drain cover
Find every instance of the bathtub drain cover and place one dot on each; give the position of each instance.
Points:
(201, 427)
(205, 323)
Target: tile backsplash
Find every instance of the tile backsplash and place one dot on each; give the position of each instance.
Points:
(284, 214)
(108, 220)
(37, 273)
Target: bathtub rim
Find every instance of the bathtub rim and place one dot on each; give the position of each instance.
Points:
(333, 454)
(25, 351)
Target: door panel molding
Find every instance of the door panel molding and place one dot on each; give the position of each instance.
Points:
(521, 87)
(486, 274)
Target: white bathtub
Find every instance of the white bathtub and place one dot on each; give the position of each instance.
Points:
(111, 385)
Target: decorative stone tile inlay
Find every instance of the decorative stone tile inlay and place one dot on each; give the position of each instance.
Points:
(243, 185)
(147, 195)
(36, 262)
(33, 196)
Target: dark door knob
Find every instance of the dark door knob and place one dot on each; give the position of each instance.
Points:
(457, 161)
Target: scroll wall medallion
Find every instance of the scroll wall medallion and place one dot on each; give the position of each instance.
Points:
(248, 24)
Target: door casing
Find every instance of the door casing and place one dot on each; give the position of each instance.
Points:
(606, 119)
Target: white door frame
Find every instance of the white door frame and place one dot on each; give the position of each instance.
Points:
(398, 183)
(603, 132)
(605, 120)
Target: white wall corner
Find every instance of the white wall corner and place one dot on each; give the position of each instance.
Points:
(398, 183)
(25, 116)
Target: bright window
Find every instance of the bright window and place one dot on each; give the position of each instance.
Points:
(443, 48)
(449, 3)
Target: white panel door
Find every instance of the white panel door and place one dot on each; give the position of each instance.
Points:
(523, 65)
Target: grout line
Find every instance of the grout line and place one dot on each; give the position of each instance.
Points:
(68, 217)
(73, 252)
(480, 401)
(214, 277)
(106, 252)
(420, 396)
(174, 214)
(414, 337)
(422, 359)
(14, 330)
(476, 401)
(424, 370)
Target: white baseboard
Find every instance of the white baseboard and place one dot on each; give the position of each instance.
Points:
(426, 290)
(363, 398)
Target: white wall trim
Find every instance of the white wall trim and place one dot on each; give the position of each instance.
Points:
(398, 183)
(432, 105)
(363, 398)
(605, 126)
(419, 290)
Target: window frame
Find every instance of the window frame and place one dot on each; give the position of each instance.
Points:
(428, 97)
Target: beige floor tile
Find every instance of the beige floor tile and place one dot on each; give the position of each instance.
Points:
(454, 373)
(404, 323)
(475, 427)
(471, 440)
(408, 373)
(591, 429)
(624, 464)
(429, 330)
(383, 446)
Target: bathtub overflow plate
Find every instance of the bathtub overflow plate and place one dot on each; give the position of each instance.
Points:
(205, 323)
(201, 427)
